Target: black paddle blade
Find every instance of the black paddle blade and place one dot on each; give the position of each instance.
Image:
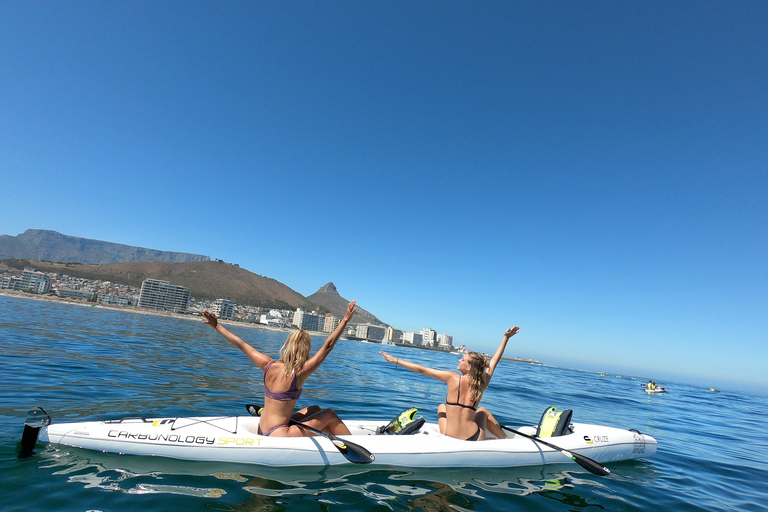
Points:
(590, 465)
(354, 453)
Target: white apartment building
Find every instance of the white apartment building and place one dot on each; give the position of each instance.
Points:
(428, 337)
(413, 338)
(163, 296)
(445, 341)
(35, 282)
(223, 308)
(305, 320)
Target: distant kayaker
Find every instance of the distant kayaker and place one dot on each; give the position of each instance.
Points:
(459, 416)
(284, 380)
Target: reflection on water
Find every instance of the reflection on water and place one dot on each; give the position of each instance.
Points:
(252, 488)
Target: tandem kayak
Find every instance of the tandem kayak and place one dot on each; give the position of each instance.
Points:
(655, 391)
(234, 439)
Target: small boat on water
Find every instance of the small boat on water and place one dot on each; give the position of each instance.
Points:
(235, 439)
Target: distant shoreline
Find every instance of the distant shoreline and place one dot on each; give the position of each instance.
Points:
(133, 309)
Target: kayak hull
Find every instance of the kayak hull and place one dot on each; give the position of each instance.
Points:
(234, 439)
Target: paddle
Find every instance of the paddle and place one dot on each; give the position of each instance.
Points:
(353, 452)
(590, 465)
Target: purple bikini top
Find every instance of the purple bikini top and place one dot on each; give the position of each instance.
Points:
(284, 396)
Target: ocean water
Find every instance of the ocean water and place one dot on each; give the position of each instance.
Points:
(84, 362)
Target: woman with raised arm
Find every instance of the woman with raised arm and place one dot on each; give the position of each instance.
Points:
(284, 380)
(459, 416)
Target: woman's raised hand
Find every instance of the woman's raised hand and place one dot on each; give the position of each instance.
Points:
(511, 332)
(351, 308)
(210, 319)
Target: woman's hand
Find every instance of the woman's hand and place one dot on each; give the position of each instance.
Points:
(210, 319)
(511, 332)
(351, 308)
(388, 358)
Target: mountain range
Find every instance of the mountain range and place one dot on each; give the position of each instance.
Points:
(205, 279)
(44, 244)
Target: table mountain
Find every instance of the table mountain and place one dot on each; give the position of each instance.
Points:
(44, 244)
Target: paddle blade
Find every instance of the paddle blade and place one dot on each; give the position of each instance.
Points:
(590, 465)
(354, 453)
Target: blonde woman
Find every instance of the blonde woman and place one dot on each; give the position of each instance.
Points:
(459, 416)
(284, 380)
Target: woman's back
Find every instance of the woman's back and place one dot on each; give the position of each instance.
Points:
(460, 409)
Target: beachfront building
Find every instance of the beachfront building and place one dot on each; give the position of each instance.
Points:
(428, 337)
(369, 332)
(272, 321)
(35, 282)
(412, 338)
(305, 320)
(330, 323)
(29, 281)
(163, 296)
(10, 282)
(393, 335)
(66, 293)
(445, 341)
(223, 308)
(114, 300)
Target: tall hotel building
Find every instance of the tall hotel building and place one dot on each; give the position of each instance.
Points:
(163, 296)
(224, 309)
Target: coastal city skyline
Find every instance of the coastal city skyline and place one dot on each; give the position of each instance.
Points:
(164, 296)
(594, 173)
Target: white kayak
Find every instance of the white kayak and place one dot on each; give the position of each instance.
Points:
(234, 439)
(655, 391)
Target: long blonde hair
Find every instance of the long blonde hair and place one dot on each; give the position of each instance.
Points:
(295, 351)
(478, 379)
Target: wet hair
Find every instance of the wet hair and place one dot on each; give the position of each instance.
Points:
(478, 379)
(295, 352)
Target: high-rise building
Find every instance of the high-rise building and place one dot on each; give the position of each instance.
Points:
(163, 296)
(35, 282)
(370, 332)
(331, 323)
(223, 308)
(305, 320)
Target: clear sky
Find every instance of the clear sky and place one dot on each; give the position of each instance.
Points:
(595, 172)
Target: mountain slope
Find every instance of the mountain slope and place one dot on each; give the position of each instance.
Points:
(204, 279)
(328, 297)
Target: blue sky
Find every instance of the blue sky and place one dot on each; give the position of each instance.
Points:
(594, 172)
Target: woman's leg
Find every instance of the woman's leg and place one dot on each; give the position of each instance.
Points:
(306, 412)
(328, 421)
(487, 422)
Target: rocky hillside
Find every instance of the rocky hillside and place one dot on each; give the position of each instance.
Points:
(328, 297)
(204, 279)
(43, 244)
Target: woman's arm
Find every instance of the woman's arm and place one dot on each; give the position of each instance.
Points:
(500, 351)
(314, 362)
(441, 375)
(254, 355)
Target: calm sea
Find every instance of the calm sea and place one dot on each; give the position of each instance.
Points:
(87, 362)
